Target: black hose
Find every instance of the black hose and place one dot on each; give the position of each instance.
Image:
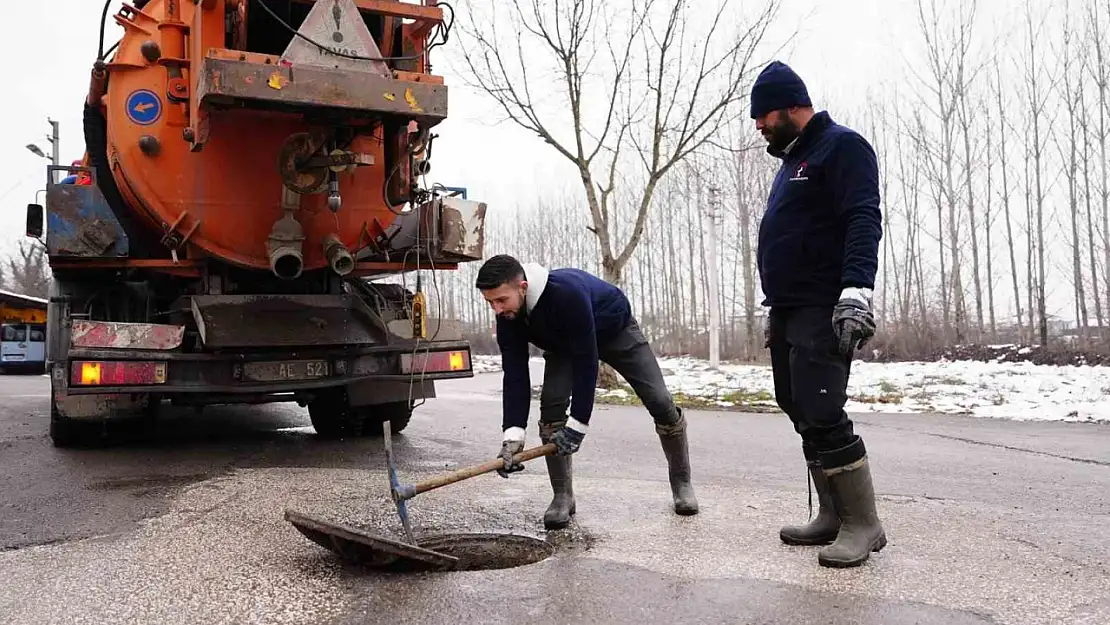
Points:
(101, 53)
(103, 25)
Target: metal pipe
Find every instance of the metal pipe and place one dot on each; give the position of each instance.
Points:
(339, 257)
(98, 84)
(284, 248)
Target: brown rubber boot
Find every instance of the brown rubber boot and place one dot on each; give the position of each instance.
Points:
(821, 530)
(861, 532)
(676, 449)
(561, 509)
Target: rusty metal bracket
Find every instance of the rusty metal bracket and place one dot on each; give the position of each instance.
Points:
(255, 85)
(198, 132)
(173, 239)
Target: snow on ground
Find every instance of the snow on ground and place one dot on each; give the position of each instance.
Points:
(1010, 390)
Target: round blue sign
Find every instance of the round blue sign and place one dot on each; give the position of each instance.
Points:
(144, 107)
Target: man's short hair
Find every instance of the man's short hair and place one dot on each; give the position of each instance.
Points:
(498, 270)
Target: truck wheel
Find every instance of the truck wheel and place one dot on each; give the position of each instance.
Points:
(398, 413)
(66, 432)
(334, 417)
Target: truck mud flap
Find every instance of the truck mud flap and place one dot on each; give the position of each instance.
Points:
(101, 406)
(285, 321)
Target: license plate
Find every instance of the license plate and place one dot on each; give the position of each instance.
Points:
(285, 371)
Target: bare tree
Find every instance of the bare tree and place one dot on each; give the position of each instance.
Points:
(965, 79)
(666, 92)
(947, 51)
(1038, 89)
(27, 271)
(1072, 98)
(1006, 129)
(1098, 20)
(1088, 132)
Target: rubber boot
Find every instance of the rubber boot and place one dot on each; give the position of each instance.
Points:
(861, 532)
(676, 449)
(823, 528)
(561, 509)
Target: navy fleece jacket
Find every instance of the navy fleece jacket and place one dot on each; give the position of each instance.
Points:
(568, 311)
(822, 227)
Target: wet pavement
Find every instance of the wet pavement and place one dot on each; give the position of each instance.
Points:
(988, 522)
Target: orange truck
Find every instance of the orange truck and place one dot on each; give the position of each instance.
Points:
(256, 171)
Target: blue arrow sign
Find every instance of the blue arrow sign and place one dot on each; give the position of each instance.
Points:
(144, 107)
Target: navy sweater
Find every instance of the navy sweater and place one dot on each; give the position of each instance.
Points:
(821, 230)
(575, 314)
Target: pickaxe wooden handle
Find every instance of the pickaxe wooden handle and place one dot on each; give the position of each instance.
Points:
(408, 491)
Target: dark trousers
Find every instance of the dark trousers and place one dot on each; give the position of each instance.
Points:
(811, 382)
(630, 354)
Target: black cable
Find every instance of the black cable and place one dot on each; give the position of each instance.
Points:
(446, 30)
(103, 25)
(286, 25)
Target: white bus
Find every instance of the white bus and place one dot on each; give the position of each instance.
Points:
(22, 347)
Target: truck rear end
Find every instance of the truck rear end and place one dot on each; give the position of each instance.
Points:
(254, 183)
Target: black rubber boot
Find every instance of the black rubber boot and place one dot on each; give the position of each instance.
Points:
(861, 532)
(821, 530)
(676, 449)
(561, 509)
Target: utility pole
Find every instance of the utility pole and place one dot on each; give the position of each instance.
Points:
(56, 145)
(711, 273)
(55, 142)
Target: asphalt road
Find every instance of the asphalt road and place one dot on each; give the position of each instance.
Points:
(989, 521)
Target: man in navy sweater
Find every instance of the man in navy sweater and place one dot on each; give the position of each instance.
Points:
(578, 320)
(817, 259)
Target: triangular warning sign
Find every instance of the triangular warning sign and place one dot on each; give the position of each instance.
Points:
(337, 26)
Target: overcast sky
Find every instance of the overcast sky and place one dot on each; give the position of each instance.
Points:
(845, 48)
(842, 45)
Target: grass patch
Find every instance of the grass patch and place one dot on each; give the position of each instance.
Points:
(881, 398)
(737, 401)
(943, 379)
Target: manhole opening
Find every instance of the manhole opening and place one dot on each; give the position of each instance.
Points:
(478, 552)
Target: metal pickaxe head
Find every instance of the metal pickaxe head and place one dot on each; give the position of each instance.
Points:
(394, 485)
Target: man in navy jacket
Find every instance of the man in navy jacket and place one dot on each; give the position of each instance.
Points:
(578, 320)
(817, 259)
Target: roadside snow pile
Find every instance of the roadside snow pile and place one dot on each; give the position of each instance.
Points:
(482, 363)
(1034, 354)
(1022, 391)
(1011, 390)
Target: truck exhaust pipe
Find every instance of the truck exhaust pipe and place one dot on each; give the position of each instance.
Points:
(284, 247)
(339, 257)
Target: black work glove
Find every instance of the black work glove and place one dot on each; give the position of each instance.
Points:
(510, 446)
(853, 323)
(567, 440)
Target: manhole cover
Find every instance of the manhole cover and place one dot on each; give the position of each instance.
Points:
(477, 552)
(445, 552)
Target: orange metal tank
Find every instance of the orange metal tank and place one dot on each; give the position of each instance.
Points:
(200, 156)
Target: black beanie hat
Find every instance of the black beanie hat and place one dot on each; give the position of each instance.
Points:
(777, 87)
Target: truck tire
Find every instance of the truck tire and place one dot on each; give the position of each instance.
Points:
(66, 433)
(333, 416)
(398, 413)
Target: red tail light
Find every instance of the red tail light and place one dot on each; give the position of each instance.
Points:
(435, 362)
(116, 373)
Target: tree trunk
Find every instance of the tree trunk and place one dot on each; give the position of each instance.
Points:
(987, 233)
(1010, 241)
(710, 266)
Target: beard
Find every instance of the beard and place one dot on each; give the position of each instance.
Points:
(780, 134)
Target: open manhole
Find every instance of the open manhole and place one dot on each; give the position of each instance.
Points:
(445, 552)
(479, 552)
